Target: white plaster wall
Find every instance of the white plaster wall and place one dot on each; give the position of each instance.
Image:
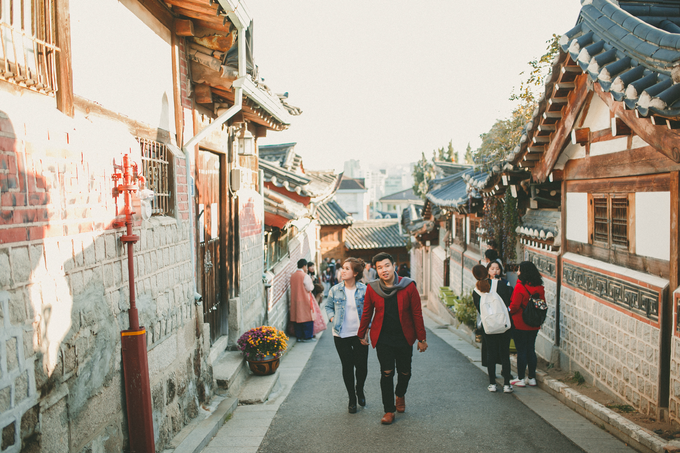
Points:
(609, 146)
(122, 59)
(653, 224)
(638, 142)
(598, 115)
(577, 217)
(570, 152)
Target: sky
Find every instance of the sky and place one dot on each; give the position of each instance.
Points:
(384, 80)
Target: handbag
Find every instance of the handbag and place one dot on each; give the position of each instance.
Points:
(535, 312)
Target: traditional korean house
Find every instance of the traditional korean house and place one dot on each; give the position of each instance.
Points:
(366, 238)
(602, 225)
(82, 84)
(396, 202)
(292, 200)
(333, 223)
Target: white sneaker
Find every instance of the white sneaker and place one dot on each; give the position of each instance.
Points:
(507, 389)
(492, 388)
(518, 383)
(531, 382)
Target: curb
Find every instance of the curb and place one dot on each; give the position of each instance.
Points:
(199, 437)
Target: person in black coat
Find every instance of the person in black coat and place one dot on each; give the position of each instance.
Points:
(495, 348)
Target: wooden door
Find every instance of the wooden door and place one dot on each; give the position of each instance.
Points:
(209, 252)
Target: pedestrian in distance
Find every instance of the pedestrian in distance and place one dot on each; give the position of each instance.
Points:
(393, 311)
(369, 274)
(344, 308)
(404, 271)
(529, 282)
(495, 347)
(301, 310)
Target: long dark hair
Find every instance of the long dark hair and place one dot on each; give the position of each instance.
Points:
(529, 275)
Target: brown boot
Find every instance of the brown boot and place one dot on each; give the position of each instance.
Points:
(401, 404)
(388, 418)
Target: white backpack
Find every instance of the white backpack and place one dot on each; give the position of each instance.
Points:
(495, 315)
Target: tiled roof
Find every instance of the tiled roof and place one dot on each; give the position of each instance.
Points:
(323, 184)
(351, 184)
(331, 213)
(280, 177)
(541, 225)
(283, 155)
(374, 234)
(634, 58)
(451, 168)
(404, 195)
(277, 204)
(454, 191)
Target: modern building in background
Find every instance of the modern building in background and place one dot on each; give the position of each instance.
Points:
(353, 197)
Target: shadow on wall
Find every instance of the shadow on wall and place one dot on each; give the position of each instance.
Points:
(60, 340)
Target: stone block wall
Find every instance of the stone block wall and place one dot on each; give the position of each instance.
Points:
(417, 266)
(674, 403)
(64, 280)
(437, 255)
(470, 259)
(546, 263)
(456, 260)
(615, 348)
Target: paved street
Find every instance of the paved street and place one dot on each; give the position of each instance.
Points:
(448, 408)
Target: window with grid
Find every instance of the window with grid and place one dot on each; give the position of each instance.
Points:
(610, 220)
(158, 171)
(474, 226)
(460, 229)
(28, 53)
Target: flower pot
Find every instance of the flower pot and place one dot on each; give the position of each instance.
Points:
(264, 367)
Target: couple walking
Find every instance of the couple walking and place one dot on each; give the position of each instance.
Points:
(390, 306)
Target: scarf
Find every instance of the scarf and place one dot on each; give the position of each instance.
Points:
(389, 291)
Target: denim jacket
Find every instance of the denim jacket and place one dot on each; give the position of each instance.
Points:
(335, 305)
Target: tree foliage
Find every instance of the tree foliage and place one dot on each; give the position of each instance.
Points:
(499, 224)
(425, 170)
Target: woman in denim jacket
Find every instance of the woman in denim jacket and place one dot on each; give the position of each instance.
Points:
(344, 307)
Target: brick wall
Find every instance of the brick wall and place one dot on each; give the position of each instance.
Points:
(674, 403)
(64, 286)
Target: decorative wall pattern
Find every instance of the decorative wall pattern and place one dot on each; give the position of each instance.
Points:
(470, 263)
(546, 265)
(636, 298)
(456, 256)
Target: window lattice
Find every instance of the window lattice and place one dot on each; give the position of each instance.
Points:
(601, 219)
(157, 170)
(620, 221)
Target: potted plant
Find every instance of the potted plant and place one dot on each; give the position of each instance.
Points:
(262, 347)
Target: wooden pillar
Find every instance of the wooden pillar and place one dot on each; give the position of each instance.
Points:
(64, 71)
(177, 89)
(667, 309)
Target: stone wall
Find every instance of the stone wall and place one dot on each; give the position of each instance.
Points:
(674, 403)
(470, 259)
(437, 255)
(417, 266)
(64, 274)
(546, 263)
(613, 347)
(456, 260)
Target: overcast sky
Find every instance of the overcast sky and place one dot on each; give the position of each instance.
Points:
(383, 81)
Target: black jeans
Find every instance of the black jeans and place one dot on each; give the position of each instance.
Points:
(525, 342)
(353, 356)
(389, 356)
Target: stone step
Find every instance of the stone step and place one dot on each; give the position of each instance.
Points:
(230, 372)
(258, 388)
(197, 434)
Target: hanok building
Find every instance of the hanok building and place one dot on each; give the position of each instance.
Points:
(365, 239)
(174, 85)
(396, 202)
(292, 199)
(602, 151)
(333, 223)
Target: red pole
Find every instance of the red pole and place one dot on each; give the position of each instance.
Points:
(133, 340)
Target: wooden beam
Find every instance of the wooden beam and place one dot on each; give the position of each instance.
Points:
(184, 27)
(665, 140)
(648, 183)
(552, 115)
(565, 86)
(580, 136)
(203, 94)
(640, 161)
(159, 11)
(619, 128)
(177, 90)
(64, 93)
(528, 157)
(546, 128)
(572, 110)
(540, 139)
(536, 148)
(260, 132)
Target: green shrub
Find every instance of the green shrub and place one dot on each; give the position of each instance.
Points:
(466, 313)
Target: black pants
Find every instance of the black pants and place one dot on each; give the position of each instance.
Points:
(498, 351)
(353, 356)
(389, 356)
(525, 342)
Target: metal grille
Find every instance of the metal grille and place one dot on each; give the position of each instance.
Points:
(601, 219)
(620, 221)
(28, 53)
(156, 160)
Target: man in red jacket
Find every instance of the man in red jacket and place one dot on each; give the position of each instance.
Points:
(397, 323)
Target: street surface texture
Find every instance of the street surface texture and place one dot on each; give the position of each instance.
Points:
(448, 408)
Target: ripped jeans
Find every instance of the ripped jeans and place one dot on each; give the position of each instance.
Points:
(389, 356)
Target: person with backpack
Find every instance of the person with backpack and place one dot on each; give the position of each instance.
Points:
(529, 290)
(492, 298)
